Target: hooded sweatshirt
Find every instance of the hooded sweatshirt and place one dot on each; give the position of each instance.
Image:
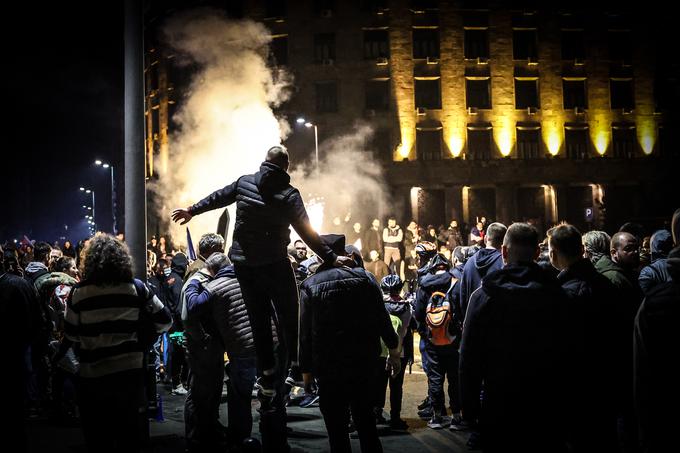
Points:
(482, 263)
(656, 272)
(266, 205)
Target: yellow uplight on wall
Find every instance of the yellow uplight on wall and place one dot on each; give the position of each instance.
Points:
(601, 141)
(504, 138)
(404, 149)
(456, 144)
(646, 137)
(553, 140)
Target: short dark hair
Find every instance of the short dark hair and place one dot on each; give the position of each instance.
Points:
(41, 250)
(62, 264)
(299, 240)
(521, 240)
(496, 232)
(210, 243)
(633, 228)
(278, 155)
(566, 239)
(217, 261)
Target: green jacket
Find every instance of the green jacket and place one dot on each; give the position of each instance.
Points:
(614, 274)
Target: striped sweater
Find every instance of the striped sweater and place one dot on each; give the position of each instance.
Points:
(105, 320)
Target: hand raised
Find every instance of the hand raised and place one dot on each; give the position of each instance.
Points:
(181, 214)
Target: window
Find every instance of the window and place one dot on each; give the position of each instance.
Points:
(279, 50)
(479, 143)
(528, 142)
(326, 97)
(378, 94)
(573, 46)
(155, 125)
(576, 142)
(373, 5)
(524, 45)
(478, 93)
(429, 144)
(324, 7)
(624, 141)
(425, 43)
(275, 8)
(476, 44)
(376, 44)
(428, 93)
(324, 47)
(526, 93)
(620, 46)
(574, 93)
(621, 91)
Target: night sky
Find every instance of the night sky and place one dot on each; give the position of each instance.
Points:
(65, 88)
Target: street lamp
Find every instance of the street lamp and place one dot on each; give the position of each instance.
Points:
(102, 164)
(90, 191)
(309, 124)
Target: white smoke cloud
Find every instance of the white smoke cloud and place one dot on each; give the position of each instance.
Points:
(226, 123)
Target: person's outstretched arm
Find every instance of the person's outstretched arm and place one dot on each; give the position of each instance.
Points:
(218, 199)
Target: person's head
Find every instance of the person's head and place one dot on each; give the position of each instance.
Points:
(454, 224)
(375, 224)
(431, 230)
(595, 245)
(425, 251)
(413, 225)
(357, 227)
(120, 236)
(41, 252)
(210, 243)
(215, 262)
(480, 226)
(55, 254)
(483, 220)
(391, 284)
(660, 244)
(161, 240)
(278, 155)
(391, 222)
(520, 244)
(494, 235)
(67, 245)
(300, 249)
(633, 228)
(374, 255)
(625, 250)
(153, 241)
(675, 227)
(564, 246)
(444, 250)
(459, 256)
(106, 261)
(439, 263)
(67, 265)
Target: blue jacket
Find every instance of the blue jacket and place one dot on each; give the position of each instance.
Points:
(482, 263)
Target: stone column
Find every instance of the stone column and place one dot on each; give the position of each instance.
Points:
(453, 203)
(506, 203)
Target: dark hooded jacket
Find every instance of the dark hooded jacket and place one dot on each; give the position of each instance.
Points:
(173, 287)
(629, 291)
(514, 342)
(656, 273)
(429, 284)
(342, 320)
(266, 205)
(656, 350)
(479, 265)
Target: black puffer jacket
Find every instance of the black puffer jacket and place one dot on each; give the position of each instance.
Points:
(342, 319)
(266, 205)
(229, 314)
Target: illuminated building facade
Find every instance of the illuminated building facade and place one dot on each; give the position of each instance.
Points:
(513, 113)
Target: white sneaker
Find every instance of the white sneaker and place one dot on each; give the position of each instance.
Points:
(179, 390)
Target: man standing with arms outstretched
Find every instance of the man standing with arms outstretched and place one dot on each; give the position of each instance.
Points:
(266, 205)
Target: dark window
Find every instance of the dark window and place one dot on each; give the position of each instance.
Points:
(323, 7)
(429, 144)
(478, 93)
(155, 125)
(479, 144)
(621, 94)
(624, 143)
(573, 47)
(279, 50)
(476, 44)
(378, 94)
(425, 43)
(373, 5)
(275, 8)
(428, 94)
(324, 47)
(528, 143)
(526, 94)
(420, 5)
(524, 45)
(574, 92)
(376, 44)
(326, 97)
(620, 47)
(576, 143)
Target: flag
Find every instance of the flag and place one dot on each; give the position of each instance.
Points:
(190, 247)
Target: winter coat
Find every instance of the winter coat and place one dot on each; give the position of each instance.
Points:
(656, 272)
(514, 342)
(174, 285)
(373, 240)
(629, 290)
(266, 205)
(481, 264)
(428, 285)
(342, 320)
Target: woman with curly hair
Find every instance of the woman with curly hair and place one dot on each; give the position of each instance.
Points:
(107, 314)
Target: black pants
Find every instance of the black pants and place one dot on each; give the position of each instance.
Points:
(242, 372)
(177, 365)
(262, 286)
(443, 364)
(205, 381)
(396, 387)
(337, 395)
(113, 411)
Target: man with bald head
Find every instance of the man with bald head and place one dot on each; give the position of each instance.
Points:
(266, 206)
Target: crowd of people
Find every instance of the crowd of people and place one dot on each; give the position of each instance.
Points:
(562, 343)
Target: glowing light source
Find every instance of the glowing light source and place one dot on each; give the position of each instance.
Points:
(404, 149)
(301, 121)
(315, 208)
(601, 141)
(646, 136)
(553, 141)
(456, 143)
(504, 138)
(97, 162)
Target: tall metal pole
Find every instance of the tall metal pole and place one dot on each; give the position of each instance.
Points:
(316, 147)
(94, 215)
(113, 203)
(135, 167)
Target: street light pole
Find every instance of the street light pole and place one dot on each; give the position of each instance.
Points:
(113, 192)
(309, 124)
(94, 215)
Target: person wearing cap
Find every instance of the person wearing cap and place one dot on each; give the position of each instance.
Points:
(266, 206)
(656, 273)
(342, 320)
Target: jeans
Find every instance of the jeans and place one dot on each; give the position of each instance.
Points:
(242, 372)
